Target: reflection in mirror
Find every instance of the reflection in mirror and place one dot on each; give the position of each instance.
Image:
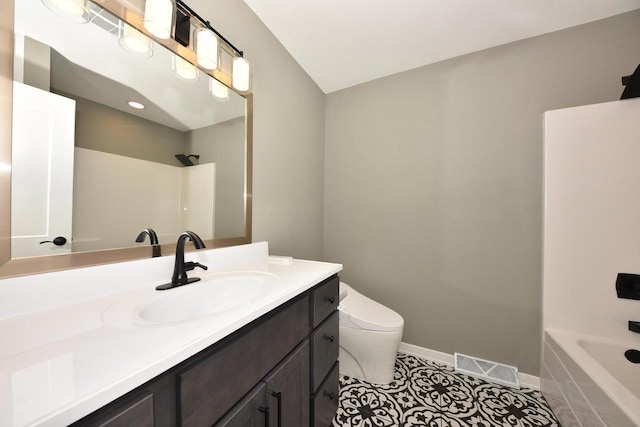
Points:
(89, 167)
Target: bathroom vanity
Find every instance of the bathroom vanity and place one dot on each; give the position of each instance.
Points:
(261, 371)
(269, 358)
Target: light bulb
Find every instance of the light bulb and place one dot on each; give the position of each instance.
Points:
(72, 10)
(206, 46)
(241, 74)
(218, 90)
(184, 70)
(158, 17)
(133, 41)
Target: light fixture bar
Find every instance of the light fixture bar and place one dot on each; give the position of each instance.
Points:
(230, 68)
(185, 8)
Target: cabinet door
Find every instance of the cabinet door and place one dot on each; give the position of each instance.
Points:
(212, 385)
(288, 390)
(249, 412)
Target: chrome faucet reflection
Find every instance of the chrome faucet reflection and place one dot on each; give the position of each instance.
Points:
(180, 268)
(153, 240)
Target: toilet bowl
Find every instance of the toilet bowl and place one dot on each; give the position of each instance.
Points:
(370, 335)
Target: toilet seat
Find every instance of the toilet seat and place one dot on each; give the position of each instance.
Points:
(359, 311)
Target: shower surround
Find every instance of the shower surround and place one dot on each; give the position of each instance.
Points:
(591, 233)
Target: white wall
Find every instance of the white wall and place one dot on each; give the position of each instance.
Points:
(592, 216)
(223, 143)
(198, 199)
(115, 197)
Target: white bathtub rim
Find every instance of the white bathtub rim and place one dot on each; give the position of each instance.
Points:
(613, 388)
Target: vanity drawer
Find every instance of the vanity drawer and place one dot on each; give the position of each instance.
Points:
(208, 389)
(131, 411)
(325, 299)
(324, 341)
(325, 401)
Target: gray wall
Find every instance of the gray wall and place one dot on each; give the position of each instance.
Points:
(288, 139)
(106, 129)
(433, 184)
(223, 144)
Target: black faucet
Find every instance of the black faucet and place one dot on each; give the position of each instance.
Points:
(153, 240)
(180, 268)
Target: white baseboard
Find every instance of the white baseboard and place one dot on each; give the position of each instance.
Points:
(526, 380)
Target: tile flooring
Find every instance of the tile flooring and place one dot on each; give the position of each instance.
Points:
(424, 393)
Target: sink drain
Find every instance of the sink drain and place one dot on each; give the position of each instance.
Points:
(632, 356)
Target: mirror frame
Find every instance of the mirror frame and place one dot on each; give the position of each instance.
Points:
(43, 264)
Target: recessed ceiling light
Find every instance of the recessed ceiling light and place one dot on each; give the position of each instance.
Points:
(136, 105)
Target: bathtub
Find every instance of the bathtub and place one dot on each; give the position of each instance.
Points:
(588, 381)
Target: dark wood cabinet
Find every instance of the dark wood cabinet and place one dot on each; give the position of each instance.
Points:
(324, 352)
(138, 413)
(251, 411)
(136, 410)
(264, 374)
(238, 366)
(325, 299)
(325, 399)
(288, 390)
(324, 341)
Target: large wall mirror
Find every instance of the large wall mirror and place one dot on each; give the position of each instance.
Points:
(91, 169)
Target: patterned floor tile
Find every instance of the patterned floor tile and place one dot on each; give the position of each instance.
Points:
(425, 393)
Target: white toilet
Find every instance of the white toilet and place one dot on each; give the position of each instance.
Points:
(370, 335)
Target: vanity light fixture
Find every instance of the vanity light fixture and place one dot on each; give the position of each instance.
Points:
(72, 10)
(136, 105)
(206, 46)
(133, 41)
(218, 90)
(169, 23)
(184, 70)
(158, 17)
(240, 74)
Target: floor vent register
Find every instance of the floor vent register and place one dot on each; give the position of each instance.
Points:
(489, 371)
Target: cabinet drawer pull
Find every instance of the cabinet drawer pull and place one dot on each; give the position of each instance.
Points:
(331, 300)
(278, 395)
(265, 411)
(329, 338)
(329, 395)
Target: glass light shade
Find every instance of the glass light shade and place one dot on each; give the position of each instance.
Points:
(241, 74)
(72, 10)
(158, 17)
(218, 90)
(184, 70)
(206, 47)
(133, 41)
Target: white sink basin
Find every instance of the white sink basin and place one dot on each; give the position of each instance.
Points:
(214, 295)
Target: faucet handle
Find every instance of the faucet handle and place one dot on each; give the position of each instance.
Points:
(188, 266)
(197, 264)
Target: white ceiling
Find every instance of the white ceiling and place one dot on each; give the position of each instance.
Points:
(341, 43)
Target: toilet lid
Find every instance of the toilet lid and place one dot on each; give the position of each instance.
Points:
(368, 314)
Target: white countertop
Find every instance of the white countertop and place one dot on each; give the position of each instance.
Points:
(61, 358)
